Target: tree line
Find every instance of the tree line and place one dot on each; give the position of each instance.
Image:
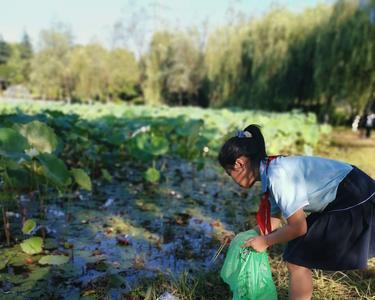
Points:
(319, 60)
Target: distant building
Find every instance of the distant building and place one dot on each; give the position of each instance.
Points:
(17, 91)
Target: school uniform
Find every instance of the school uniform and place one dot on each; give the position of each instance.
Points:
(340, 202)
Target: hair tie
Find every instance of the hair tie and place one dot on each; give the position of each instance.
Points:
(244, 134)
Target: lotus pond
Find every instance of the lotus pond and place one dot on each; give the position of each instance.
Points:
(97, 199)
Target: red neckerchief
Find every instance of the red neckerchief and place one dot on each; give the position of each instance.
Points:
(264, 211)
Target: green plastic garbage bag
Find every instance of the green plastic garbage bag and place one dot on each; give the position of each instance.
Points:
(248, 272)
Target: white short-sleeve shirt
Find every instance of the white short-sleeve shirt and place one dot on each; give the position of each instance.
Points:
(296, 182)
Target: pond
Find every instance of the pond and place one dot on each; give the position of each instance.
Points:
(128, 230)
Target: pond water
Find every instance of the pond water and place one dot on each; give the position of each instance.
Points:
(129, 231)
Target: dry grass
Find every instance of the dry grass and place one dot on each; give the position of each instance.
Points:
(330, 285)
(346, 145)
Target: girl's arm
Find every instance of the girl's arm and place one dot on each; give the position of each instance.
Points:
(275, 222)
(295, 227)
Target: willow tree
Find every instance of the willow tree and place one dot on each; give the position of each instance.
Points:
(344, 64)
(26, 53)
(174, 70)
(15, 65)
(91, 72)
(298, 83)
(269, 41)
(50, 76)
(15, 60)
(124, 74)
(251, 65)
(223, 59)
(318, 60)
(155, 63)
(100, 74)
(5, 53)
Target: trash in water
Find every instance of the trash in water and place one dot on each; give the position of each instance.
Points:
(168, 296)
(108, 203)
(56, 212)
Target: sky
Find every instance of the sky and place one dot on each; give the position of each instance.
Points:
(93, 20)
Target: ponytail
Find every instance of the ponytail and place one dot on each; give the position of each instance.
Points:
(249, 143)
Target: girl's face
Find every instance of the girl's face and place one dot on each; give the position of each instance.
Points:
(242, 174)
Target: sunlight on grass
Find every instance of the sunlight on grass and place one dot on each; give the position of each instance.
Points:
(121, 226)
(346, 145)
(329, 285)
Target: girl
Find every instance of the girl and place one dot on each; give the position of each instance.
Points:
(339, 232)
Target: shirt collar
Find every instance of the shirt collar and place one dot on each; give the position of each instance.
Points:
(263, 176)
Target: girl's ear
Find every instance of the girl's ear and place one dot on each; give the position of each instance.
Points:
(240, 163)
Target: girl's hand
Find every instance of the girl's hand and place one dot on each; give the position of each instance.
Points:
(258, 243)
(227, 236)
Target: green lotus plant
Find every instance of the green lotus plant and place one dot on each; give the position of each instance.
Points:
(28, 162)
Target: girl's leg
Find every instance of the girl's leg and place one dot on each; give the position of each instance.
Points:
(300, 282)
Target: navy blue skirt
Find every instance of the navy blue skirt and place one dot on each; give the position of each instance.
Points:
(342, 236)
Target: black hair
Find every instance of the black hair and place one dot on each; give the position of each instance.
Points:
(251, 147)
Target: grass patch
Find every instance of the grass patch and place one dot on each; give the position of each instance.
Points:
(345, 145)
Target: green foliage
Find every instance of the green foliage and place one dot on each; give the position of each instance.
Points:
(15, 61)
(16, 66)
(27, 158)
(81, 178)
(106, 175)
(26, 47)
(190, 141)
(20, 178)
(152, 175)
(3, 263)
(344, 64)
(51, 76)
(5, 51)
(55, 170)
(174, 69)
(28, 226)
(314, 60)
(53, 260)
(27, 164)
(123, 74)
(143, 133)
(32, 245)
(223, 59)
(12, 143)
(155, 62)
(152, 144)
(61, 71)
(39, 136)
(88, 65)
